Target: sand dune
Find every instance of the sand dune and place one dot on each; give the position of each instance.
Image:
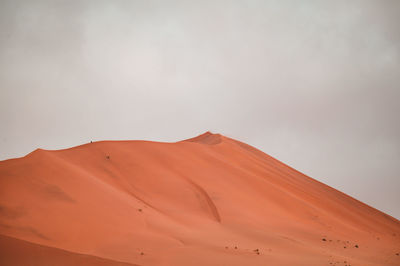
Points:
(19, 252)
(209, 200)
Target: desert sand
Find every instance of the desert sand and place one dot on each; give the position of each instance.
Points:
(209, 200)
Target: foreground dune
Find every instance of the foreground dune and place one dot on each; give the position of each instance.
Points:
(209, 200)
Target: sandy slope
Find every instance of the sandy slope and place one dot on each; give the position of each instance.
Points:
(209, 200)
(19, 252)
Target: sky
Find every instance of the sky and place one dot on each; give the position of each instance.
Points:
(313, 83)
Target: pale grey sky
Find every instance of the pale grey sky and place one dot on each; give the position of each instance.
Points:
(312, 83)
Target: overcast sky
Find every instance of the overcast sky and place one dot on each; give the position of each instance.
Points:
(312, 83)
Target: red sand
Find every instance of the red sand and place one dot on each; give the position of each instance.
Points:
(209, 200)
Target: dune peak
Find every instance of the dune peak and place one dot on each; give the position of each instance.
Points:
(207, 138)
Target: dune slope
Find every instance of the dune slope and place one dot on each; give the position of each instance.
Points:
(18, 252)
(209, 200)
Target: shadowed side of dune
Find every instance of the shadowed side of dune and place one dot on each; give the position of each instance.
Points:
(18, 252)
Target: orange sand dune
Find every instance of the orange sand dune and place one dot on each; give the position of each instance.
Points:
(209, 200)
(19, 252)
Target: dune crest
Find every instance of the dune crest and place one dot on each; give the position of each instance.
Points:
(208, 200)
(207, 138)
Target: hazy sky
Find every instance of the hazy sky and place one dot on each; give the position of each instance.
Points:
(312, 83)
